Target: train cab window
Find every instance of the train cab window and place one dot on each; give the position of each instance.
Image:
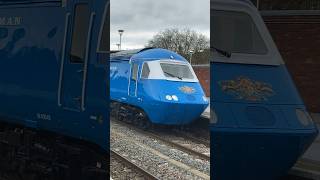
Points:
(104, 44)
(145, 71)
(134, 71)
(80, 33)
(179, 71)
(236, 32)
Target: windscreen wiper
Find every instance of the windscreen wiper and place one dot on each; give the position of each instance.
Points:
(222, 52)
(173, 75)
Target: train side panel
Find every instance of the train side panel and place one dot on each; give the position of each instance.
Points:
(119, 74)
(36, 70)
(30, 51)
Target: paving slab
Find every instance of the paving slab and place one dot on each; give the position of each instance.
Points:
(313, 152)
(206, 112)
(308, 166)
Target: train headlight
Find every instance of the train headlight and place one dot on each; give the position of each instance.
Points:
(168, 97)
(175, 98)
(304, 117)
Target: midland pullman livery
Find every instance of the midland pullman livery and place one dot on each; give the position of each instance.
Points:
(260, 125)
(155, 86)
(54, 92)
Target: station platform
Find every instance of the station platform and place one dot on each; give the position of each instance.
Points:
(206, 112)
(308, 166)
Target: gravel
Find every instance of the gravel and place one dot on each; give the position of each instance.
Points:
(187, 143)
(120, 171)
(161, 160)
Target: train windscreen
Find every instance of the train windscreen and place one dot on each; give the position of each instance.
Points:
(179, 71)
(236, 32)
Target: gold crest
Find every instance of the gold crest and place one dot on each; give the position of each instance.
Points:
(245, 88)
(187, 89)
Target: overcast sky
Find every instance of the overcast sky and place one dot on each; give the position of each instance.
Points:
(142, 19)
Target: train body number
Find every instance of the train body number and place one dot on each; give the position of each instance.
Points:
(44, 116)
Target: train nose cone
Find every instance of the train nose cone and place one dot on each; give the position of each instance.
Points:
(256, 153)
(184, 110)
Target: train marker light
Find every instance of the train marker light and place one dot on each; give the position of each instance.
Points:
(168, 97)
(174, 97)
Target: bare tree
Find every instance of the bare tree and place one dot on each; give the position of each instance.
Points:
(180, 41)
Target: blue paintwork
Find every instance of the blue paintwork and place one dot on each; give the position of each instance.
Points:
(242, 145)
(151, 92)
(30, 61)
(255, 132)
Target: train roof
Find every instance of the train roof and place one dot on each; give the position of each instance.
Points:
(127, 54)
(27, 1)
(146, 54)
(233, 1)
(246, 1)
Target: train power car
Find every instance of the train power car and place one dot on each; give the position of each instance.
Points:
(54, 93)
(259, 123)
(155, 86)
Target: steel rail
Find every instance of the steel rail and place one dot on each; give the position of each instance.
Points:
(140, 170)
(170, 143)
(192, 138)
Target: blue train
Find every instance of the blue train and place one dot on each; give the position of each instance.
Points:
(155, 86)
(54, 88)
(259, 124)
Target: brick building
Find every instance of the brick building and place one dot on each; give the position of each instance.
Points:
(298, 39)
(295, 27)
(287, 5)
(203, 73)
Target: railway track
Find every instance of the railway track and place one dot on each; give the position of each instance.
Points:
(192, 138)
(155, 135)
(132, 165)
(198, 131)
(158, 157)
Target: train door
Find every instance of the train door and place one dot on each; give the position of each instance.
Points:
(133, 82)
(75, 56)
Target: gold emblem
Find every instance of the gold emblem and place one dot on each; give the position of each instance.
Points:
(247, 89)
(187, 89)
